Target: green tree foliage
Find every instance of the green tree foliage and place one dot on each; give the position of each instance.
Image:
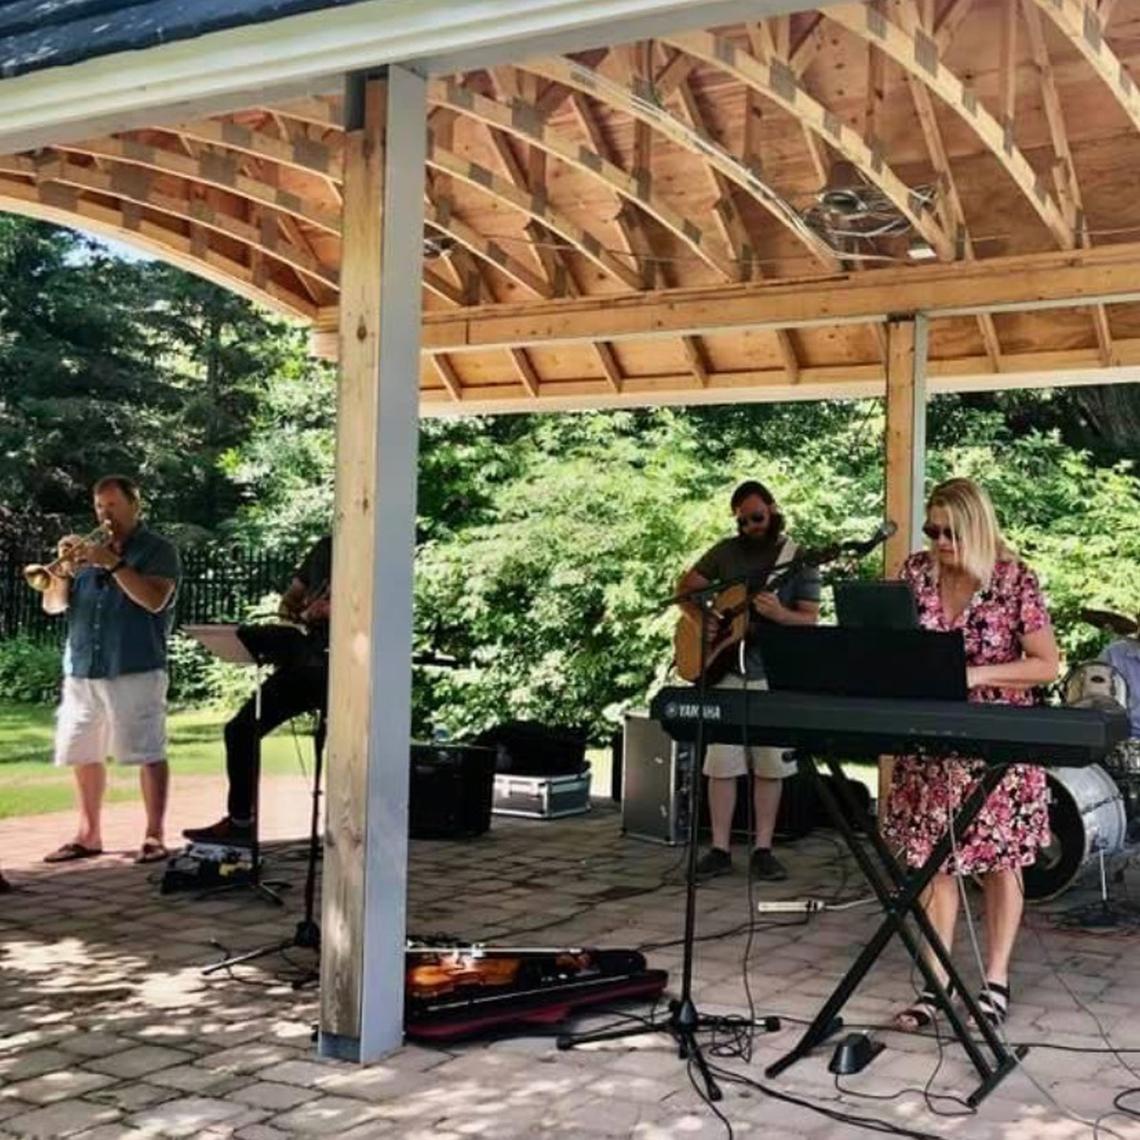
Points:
(546, 544)
(134, 367)
(77, 390)
(551, 589)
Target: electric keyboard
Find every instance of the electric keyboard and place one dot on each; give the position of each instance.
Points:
(859, 727)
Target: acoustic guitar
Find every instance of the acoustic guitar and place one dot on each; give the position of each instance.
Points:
(727, 622)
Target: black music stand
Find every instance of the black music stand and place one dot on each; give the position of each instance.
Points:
(277, 645)
(307, 933)
(890, 664)
(684, 1020)
(228, 643)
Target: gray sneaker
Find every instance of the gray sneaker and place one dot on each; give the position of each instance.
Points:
(714, 862)
(764, 865)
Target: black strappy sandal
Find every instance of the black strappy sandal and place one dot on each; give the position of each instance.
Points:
(921, 1012)
(993, 1003)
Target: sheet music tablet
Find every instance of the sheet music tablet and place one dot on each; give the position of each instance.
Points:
(222, 641)
(875, 605)
(897, 663)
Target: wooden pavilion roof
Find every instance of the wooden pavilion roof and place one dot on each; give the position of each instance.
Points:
(641, 223)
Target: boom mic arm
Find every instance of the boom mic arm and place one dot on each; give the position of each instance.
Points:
(821, 556)
(887, 528)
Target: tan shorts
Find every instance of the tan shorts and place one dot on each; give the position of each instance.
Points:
(123, 717)
(724, 761)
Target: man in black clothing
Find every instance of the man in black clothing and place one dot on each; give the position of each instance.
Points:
(294, 688)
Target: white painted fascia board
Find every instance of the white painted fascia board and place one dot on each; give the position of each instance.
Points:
(311, 52)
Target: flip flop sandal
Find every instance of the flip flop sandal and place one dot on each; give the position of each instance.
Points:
(152, 851)
(993, 1003)
(69, 852)
(920, 1013)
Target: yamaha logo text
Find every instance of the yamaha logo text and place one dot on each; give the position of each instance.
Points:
(692, 712)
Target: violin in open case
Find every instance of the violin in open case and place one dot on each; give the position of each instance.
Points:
(460, 991)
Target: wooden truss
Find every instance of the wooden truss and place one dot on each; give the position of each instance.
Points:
(638, 223)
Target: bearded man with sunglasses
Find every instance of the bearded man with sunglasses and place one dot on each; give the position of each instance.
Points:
(758, 549)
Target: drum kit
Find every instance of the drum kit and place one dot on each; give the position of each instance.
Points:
(1094, 812)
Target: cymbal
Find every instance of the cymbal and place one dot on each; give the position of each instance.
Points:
(1112, 622)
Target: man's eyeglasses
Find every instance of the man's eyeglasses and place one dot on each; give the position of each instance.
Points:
(744, 520)
(934, 533)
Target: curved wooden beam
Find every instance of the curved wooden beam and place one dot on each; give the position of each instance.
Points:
(210, 170)
(524, 123)
(304, 155)
(486, 249)
(222, 174)
(643, 107)
(536, 207)
(777, 81)
(1083, 27)
(917, 53)
(62, 206)
(323, 161)
(1054, 114)
(126, 184)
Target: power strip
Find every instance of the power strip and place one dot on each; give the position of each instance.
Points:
(792, 906)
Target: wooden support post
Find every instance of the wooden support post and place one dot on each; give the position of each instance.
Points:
(906, 436)
(366, 839)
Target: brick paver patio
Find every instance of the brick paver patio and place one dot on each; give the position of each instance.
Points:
(108, 1030)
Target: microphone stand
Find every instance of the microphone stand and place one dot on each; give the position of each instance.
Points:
(685, 1020)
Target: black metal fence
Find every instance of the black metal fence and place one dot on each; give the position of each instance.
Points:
(218, 584)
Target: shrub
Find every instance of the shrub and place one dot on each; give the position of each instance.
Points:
(31, 672)
(198, 678)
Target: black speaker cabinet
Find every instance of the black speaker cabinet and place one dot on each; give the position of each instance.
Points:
(451, 790)
(656, 791)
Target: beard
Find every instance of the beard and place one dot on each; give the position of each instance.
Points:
(760, 541)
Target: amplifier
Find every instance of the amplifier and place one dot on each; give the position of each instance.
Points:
(656, 790)
(450, 792)
(655, 782)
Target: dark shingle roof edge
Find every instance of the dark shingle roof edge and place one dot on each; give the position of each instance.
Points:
(40, 34)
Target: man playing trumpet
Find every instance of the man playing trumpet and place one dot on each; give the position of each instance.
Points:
(118, 594)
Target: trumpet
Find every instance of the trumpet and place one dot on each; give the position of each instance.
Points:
(40, 577)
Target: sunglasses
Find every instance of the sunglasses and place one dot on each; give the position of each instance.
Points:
(934, 533)
(744, 520)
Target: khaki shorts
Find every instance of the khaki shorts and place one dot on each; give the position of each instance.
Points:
(724, 761)
(123, 717)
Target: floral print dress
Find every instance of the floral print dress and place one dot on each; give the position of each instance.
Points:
(926, 791)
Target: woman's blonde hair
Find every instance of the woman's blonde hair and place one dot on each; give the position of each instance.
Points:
(977, 535)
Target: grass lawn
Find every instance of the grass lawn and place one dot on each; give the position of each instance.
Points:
(30, 784)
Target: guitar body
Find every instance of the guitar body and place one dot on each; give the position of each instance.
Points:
(729, 620)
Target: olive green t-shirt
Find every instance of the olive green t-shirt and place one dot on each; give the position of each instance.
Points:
(732, 557)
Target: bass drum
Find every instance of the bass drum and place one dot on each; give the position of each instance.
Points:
(1086, 816)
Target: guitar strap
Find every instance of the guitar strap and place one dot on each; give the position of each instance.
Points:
(788, 550)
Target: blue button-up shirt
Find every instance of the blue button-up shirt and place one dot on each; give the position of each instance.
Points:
(107, 633)
(1124, 656)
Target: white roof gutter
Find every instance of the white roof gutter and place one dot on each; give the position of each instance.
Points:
(310, 53)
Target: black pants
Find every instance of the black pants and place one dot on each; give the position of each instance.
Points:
(291, 690)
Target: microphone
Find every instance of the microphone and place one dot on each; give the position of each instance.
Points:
(887, 528)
